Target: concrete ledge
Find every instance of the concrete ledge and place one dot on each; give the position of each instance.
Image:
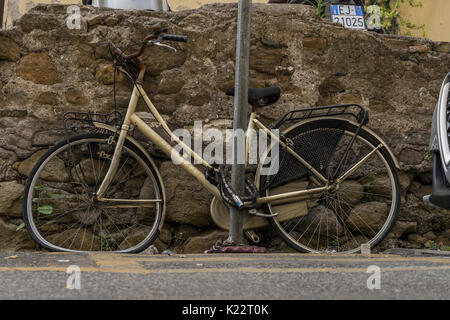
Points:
(417, 252)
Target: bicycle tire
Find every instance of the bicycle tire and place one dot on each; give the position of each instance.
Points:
(60, 147)
(343, 125)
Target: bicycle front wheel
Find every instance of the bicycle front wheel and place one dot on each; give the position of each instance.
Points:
(59, 209)
(361, 209)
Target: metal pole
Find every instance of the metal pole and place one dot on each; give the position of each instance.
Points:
(2, 8)
(240, 114)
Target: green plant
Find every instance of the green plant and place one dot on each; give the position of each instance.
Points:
(391, 20)
(21, 226)
(430, 244)
(320, 6)
(45, 209)
(42, 193)
(428, 156)
(106, 241)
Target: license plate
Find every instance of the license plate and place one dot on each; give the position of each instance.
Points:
(350, 16)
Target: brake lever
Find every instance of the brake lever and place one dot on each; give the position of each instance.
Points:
(159, 44)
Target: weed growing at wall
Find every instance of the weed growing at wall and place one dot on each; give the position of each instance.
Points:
(392, 21)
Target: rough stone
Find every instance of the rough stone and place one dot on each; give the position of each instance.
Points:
(411, 156)
(397, 44)
(159, 245)
(378, 184)
(181, 188)
(47, 98)
(444, 238)
(419, 49)
(170, 82)
(10, 193)
(402, 227)
(315, 43)
(320, 217)
(9, 50)
(420, 190)
(351, 192)
(405, 182)
(430, 235)
(105, 74)
(416, 238)
(160, 60)
(14, 240)
(368, 218)
(38, 68)
(204, 242)
(378, 106)
(181, 234)
(95, 19)
(53, 171)
(47, 138)
(7, 159)
(265, 60)
(111, 21)
(83, 55)
(165, 236)
(443, 47)
(75, 97)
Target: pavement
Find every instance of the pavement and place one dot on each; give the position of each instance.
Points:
(38, 275)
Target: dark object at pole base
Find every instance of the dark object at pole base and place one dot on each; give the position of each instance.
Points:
(230, 247)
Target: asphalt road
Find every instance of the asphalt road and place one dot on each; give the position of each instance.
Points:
(221, 276)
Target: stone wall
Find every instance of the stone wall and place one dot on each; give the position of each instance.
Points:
(47, 69)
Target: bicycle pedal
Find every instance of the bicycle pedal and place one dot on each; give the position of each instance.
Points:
(253, 212)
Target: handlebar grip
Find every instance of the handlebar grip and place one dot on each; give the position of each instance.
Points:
(174, 37)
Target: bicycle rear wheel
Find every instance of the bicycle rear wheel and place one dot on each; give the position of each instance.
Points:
(61, 214)
(362, 209)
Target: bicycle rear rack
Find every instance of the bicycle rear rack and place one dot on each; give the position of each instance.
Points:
(84, 121)
(355, 110)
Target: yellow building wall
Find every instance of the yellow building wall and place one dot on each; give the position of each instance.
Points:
(434, 14)
(14, 9)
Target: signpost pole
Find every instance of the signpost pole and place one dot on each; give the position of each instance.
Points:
(2, 8)
(240, 115)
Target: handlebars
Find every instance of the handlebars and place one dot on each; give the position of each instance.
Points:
(173, 37)
(155, 38)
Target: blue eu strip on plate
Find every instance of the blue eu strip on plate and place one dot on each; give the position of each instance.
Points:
(335, 10)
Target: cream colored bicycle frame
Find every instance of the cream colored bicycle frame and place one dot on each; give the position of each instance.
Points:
(132, 119)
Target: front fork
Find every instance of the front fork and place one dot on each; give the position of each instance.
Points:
(114, 162)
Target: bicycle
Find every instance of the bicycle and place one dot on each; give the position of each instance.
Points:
(336, 187)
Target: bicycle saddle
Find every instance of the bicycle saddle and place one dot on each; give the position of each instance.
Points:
(260, 97)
